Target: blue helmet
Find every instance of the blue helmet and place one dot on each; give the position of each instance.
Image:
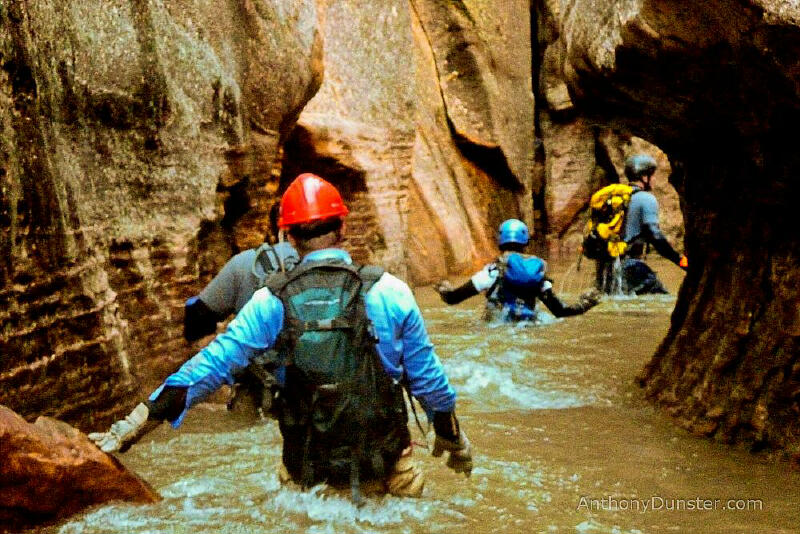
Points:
(513, 231)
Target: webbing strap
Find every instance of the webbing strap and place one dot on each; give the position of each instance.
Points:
(369, 274)
(338, 323)
(407, 390)
(355, 483)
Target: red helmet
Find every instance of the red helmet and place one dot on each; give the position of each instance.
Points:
(309, 198)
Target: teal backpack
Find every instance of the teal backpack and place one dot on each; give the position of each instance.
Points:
(342, 417)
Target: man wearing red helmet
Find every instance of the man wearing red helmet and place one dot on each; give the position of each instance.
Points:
(345, 339)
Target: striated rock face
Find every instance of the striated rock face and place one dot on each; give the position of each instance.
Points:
(51, 471)
(138, 148)
(716, 85)
(414, 119)
(143, 143)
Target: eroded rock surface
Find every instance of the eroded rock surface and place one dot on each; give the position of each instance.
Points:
(50, 471)
(716, 85)
(577, 153)
(143, 144)
(138, 148)
(424, 116)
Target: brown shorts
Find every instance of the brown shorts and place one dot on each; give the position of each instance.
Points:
(406, 480)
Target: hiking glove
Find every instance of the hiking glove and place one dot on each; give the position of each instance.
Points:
(444, 286)
(125, 432)
(460, 458)
(450, 437)
(589, 299)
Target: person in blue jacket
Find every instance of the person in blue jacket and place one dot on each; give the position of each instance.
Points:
(514, 282)
(313, 213)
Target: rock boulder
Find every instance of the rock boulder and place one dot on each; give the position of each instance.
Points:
(50, 471)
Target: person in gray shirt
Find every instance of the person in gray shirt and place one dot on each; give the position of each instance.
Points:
(233, 286)
(641, 229)
(226, 294)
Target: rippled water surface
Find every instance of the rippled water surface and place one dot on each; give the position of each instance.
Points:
(563, 442)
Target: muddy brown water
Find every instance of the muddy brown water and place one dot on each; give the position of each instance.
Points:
(563, 442)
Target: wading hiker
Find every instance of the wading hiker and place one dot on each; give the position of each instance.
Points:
(623, 221)
(347, 339)
(227, 293)
(236, 282)
(514, 282)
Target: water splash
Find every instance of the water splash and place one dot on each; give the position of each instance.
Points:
(490, 387)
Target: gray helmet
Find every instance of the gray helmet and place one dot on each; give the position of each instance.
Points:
(639, 165)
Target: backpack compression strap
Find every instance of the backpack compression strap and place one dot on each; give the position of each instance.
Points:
(368, 274)
(268, 258)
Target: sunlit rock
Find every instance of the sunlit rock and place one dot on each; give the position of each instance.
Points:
(433, 103)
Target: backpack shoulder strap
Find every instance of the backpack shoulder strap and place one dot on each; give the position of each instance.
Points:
(500, 265)
(369, 274)
(267, 258)
(275, 282)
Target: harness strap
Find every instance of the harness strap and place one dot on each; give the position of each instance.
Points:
(355, 483)
(407, 391)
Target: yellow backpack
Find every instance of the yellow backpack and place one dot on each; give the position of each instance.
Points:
(603, 235)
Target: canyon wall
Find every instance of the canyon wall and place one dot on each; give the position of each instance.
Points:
(144, 142)
(136, 148)
(425, 120)
(716, 85)
(576, 153)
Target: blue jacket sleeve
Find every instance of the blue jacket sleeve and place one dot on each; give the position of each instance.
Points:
(404, 345)
(425, 373)
(255, 327)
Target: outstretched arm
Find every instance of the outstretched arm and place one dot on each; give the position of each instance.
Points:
(428, 383)
(586, 301)
(255, 327)
(480, 281)
(451, 295)
(653, 235)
